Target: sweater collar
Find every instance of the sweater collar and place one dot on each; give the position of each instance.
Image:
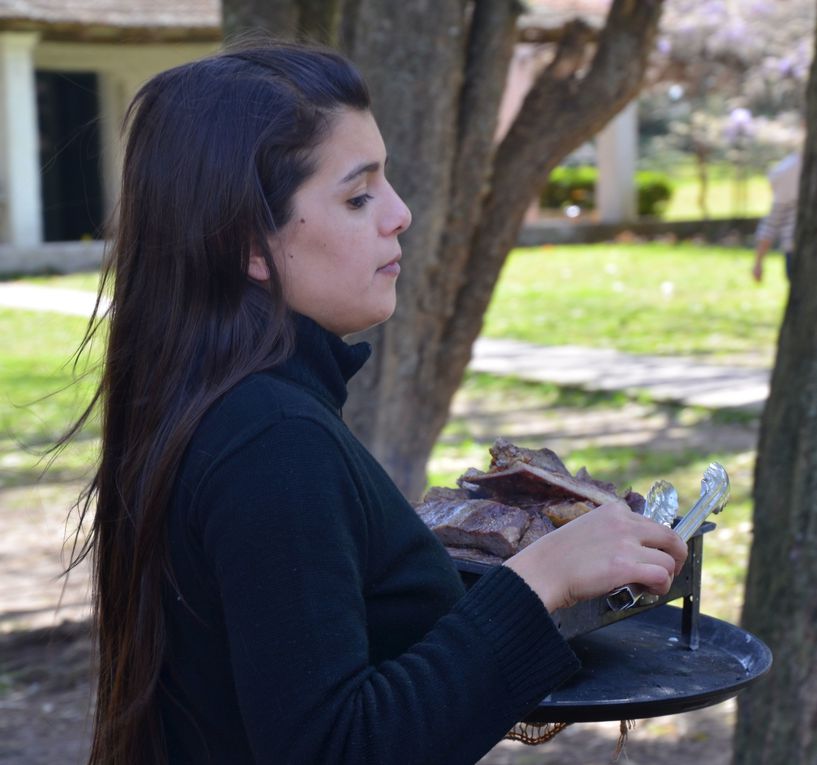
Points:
(322, 362)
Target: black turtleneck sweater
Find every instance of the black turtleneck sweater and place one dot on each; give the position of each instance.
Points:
(316, 619)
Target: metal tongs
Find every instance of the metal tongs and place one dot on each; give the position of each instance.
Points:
(662, 502)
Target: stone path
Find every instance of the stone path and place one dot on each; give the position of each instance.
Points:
(663, 378)
(53, 299)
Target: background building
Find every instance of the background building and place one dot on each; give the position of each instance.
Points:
(69, 69)
(67, 73)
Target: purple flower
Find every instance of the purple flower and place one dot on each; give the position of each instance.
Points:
(739, 124)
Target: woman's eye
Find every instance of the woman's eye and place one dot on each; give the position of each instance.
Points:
(357, 202)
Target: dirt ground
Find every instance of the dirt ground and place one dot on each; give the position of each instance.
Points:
(45, 653)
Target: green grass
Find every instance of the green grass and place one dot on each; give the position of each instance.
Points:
(39, 396)
(723, 199)
(639, 298)
(87, 281)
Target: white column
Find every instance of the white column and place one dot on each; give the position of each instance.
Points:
(617, 153)
(20, 195)
(111, 113)
(117, 89)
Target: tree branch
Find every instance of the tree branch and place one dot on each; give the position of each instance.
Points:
(488, 54)
(561, 112)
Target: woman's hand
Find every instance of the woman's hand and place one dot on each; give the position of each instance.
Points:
(604, 549)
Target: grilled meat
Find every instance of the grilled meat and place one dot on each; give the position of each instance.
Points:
(525, 494)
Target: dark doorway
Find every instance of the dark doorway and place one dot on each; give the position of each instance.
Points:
(68, 114)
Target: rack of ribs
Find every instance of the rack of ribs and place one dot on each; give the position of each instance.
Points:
(524, 494)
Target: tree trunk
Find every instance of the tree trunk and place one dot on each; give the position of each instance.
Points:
(468, 195)
(701, 155)
(315, 20)
(777, 718)
(437, 71)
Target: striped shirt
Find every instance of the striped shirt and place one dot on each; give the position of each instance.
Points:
(778, 226)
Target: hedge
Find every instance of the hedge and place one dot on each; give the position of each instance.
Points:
(577, 186)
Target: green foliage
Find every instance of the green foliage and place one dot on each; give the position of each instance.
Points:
(577, 186)
(570, 186)
(640, 298)
(654, 192)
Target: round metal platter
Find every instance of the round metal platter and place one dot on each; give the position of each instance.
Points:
(639, 667)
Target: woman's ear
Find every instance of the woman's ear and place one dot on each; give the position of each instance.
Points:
(257, 268)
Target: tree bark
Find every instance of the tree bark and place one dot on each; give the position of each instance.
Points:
(441, 145)
(437, 71)
(777, 718)
(314, 20)
(469, 205)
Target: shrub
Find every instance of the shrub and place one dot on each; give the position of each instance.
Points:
(577, 186)
(654, 192)
(570, 186)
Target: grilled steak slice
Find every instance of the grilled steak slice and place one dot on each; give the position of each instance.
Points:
(524, 480)
(583, 475)
(443, 494)
(504, 454)
(481, 523)
(539, 526)
(636, 502)
(464, 482)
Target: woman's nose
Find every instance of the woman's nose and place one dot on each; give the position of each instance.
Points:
(399, 218)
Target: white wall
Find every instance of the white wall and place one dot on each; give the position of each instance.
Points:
(20, 198)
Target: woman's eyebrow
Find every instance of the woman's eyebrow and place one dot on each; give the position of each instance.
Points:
(365, 167)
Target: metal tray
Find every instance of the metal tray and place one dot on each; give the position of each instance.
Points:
(640, 667)
(590, 615)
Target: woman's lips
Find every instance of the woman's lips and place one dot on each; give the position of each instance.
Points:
(392, 268)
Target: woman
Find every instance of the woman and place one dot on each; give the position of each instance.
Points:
(264, 594)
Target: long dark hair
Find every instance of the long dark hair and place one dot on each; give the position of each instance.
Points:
(216, 149)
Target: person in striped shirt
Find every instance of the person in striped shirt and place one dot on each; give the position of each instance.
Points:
(778, 226)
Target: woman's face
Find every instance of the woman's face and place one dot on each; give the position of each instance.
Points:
(338, 255)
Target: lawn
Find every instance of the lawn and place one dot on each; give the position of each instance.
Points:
(40, 397)
(88, 281)
(641, 298)
(725, 197)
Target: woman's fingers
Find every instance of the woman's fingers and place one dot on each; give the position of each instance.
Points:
(598, 552)
(655, 535)
(665, 539)
(654, 569)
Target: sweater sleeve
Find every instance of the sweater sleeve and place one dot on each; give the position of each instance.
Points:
(778, 226)
(285, 532)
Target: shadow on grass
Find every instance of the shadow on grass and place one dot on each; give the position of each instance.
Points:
(28, 462)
